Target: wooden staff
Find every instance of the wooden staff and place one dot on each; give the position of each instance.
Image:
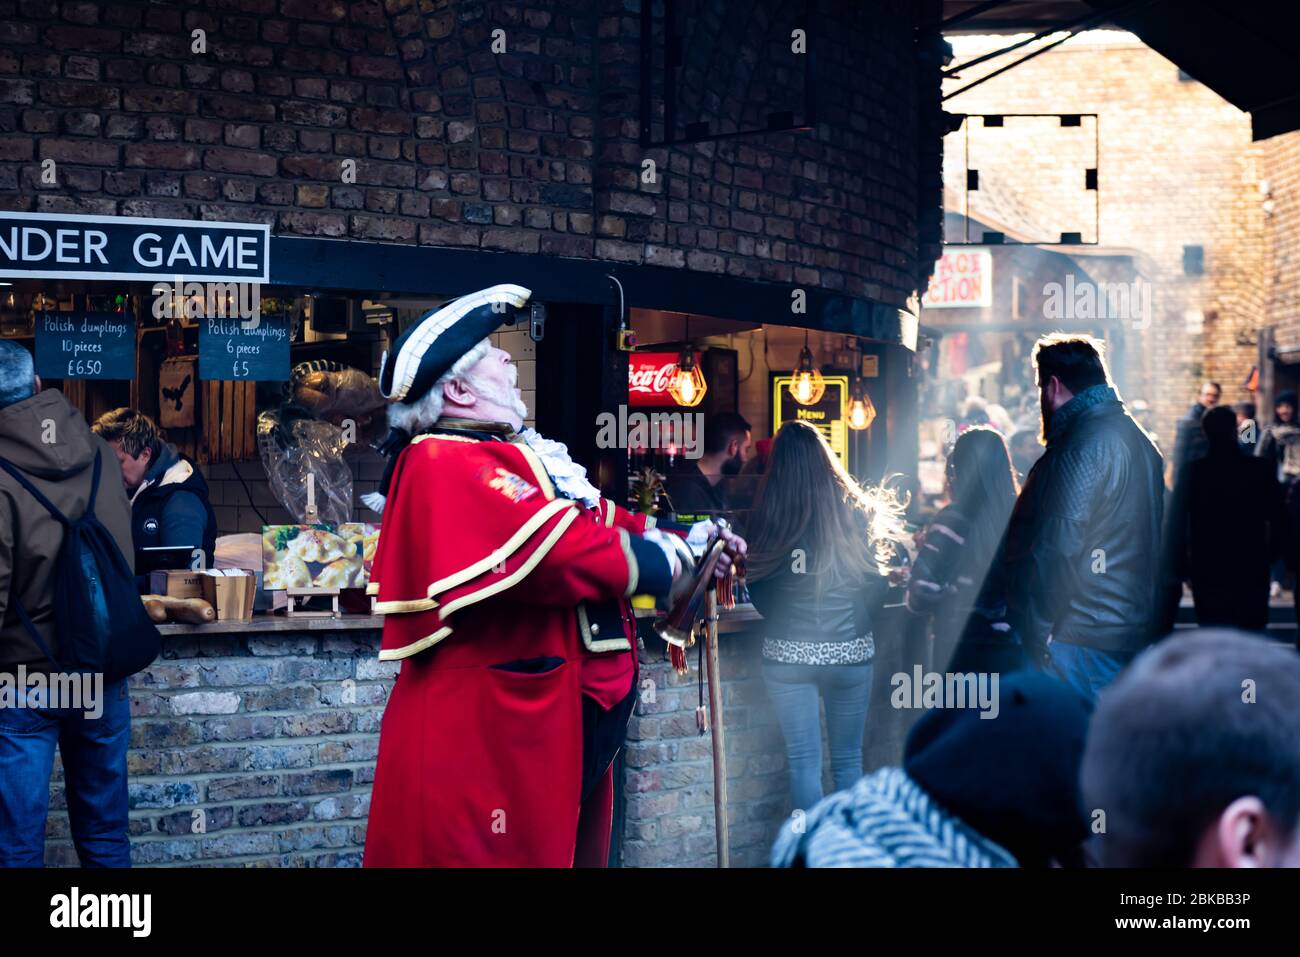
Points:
(716, 723)
(679, 629)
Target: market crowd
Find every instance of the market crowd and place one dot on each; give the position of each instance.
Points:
(505, 581)
(1059, 569)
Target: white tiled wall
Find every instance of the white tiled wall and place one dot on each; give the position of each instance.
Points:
(523, 350)
(235, 513)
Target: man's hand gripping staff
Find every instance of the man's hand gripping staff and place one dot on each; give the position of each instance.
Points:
(721, 563)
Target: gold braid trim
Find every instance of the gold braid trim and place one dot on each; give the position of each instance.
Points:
(403, 607)
(415, 647)
(497, 556)
(540, 475)
(487, 591)
(512, 544)
(424, 437)
(633, 569)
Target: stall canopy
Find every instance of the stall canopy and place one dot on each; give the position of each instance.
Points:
(1245, 52)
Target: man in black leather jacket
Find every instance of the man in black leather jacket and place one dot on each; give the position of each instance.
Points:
(1077, 576)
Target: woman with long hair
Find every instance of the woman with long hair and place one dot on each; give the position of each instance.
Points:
(959, 545)
(818, 545)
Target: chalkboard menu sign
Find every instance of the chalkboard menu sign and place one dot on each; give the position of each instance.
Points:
(828, 415)
(85, 345)
(233, 348)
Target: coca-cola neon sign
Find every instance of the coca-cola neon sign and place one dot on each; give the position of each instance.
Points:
(648, 375)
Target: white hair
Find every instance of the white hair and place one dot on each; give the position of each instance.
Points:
(421, 414)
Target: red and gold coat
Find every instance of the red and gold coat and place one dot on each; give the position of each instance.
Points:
(507, 606)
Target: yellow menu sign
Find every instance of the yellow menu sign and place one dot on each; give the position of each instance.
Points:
(829, 416)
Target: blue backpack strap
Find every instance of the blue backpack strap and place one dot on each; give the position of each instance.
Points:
(31, 628)
(22, 480)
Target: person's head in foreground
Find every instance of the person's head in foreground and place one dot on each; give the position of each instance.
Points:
(1194, 756)
(445, 365)
(992, 784)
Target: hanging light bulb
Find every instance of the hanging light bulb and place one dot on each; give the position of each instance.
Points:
(861, 410)
(686, 384)
(807, 386)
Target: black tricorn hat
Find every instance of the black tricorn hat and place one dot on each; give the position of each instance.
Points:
(425, 351)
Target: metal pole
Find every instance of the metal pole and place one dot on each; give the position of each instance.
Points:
(716, 726)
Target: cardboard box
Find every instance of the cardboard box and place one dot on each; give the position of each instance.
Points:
(230, 591)
(177, 584)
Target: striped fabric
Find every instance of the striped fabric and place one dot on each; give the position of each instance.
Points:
(885, 820)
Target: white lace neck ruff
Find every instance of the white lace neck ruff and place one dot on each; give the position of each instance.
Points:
(569, 477)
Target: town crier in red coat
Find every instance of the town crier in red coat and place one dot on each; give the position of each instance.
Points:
(503, 578)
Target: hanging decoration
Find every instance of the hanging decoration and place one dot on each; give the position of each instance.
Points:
(861, 410)
(808, 386)
(686, 384)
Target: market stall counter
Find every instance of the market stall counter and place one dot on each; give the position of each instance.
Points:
(254, 744)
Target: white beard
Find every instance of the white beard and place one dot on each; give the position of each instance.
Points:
(503, 396)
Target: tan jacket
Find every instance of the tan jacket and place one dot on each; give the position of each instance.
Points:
(49, 441)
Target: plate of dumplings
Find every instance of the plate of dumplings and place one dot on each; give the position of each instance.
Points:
(318, 556)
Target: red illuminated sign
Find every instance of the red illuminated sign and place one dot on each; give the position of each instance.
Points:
(648, 375)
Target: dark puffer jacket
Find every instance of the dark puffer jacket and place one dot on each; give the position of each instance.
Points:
(1081, 557)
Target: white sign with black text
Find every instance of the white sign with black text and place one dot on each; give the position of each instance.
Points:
(58, 245)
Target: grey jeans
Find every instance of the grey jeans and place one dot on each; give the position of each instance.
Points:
(795, 690)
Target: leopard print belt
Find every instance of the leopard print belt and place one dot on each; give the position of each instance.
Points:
(853, 652)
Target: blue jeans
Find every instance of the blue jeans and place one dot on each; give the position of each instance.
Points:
(1086, 670)
(94, 773)
(795, 690)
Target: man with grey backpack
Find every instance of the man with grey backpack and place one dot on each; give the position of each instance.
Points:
(72, 628)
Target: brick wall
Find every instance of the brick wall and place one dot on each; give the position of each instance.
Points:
(669, 776)
(532, 150)
(669, 769)
(1177, 167)
(260, 751)
(271, 739)
(1281, 170)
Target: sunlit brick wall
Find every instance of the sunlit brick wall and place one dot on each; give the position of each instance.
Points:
(1281, 168)
(1177, 167)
